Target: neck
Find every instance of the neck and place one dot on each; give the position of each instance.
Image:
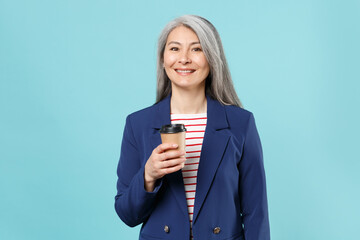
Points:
(188, 102)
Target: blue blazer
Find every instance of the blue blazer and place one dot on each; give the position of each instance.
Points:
(230, 201)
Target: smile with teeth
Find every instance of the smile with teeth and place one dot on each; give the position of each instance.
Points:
(184, 71)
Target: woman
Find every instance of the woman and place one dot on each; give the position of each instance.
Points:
(215, 189)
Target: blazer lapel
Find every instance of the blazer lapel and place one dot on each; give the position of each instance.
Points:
(214, 145)
(174, 180)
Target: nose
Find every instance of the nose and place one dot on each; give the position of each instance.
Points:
(184, 58)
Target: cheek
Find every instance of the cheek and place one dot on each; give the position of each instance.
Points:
(169, 60)
(202, 62)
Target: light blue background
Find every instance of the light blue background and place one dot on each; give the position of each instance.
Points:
(71, 71)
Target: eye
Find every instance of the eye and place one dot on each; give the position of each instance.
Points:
(174, 49)
(197, 49)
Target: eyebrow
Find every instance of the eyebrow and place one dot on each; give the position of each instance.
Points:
(174, 42)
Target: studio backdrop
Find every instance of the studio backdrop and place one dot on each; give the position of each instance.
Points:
(71, 71)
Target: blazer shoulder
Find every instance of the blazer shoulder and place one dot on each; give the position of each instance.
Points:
(237, 114)
(142, 114)
(240, 121)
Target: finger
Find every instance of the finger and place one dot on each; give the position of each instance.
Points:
(172, 169)
(172, 162)
(165, 146)
(171, 154)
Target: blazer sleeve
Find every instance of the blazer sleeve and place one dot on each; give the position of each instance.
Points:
(254, 205)
(133, 203)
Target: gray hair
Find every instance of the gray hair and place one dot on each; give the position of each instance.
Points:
(218, 84)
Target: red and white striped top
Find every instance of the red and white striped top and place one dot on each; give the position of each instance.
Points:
(195, 125)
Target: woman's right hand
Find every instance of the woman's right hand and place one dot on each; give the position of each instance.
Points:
(161, 163)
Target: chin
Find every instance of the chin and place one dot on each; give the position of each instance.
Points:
(185, 85)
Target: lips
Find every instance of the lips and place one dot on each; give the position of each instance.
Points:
(186, 71)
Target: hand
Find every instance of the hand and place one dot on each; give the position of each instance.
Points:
(161, 163)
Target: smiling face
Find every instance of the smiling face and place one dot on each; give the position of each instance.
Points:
(184, 61)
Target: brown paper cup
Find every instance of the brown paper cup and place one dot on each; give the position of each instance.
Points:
(174, 133)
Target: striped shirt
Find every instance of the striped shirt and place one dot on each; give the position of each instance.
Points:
(195, 125)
